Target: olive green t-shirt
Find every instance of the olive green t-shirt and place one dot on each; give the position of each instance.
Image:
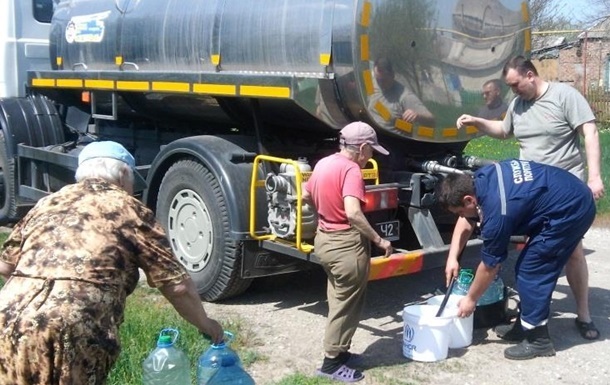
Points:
(546, 128)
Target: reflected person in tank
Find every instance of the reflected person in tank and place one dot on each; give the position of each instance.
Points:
(396, 98)
(495, 107)
(69, 265)
(516, 197)
(342, 242)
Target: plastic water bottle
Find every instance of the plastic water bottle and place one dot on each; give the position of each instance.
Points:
(464, 280)
(494, 293)
(166, 364)
(221, 365)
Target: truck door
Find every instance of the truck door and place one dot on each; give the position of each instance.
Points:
(24, 42)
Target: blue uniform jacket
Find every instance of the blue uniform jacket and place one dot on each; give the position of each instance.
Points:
(518, 197)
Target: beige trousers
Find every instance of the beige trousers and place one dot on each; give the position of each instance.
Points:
(345, 256)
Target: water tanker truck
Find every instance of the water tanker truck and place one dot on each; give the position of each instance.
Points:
(228, 105)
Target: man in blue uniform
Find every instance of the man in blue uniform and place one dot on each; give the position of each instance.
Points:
(516, 197)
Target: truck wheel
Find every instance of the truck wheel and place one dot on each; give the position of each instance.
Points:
(32, 121)
(8, 200)
(192, 209)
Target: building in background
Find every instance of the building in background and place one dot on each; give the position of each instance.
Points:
(582, 61)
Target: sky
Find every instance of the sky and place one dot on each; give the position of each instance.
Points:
(579, 9)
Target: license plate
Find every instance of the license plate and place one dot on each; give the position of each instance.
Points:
(389, 230)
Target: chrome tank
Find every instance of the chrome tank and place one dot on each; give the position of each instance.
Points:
(442, 51)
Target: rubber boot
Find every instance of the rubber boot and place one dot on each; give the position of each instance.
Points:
(537, 343)
(513, 332)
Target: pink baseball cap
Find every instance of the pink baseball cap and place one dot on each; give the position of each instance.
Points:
(357, 133)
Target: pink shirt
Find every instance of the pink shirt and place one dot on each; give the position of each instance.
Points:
(334, 178)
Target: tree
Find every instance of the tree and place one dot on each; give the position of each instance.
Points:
(599, 10)
(546, 15)
(409, 51)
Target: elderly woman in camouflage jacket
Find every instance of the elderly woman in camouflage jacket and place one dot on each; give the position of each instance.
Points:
(71, 262)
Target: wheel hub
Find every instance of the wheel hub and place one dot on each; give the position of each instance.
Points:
(190, 230)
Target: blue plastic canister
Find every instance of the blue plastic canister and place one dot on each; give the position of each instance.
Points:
(493, 294)
(491, 307)
(221, 365)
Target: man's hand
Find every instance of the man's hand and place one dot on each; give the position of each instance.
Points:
(452, 269)
(409, 116)
(386, 246)
(465, 120)
(466, 307)
(597, 188)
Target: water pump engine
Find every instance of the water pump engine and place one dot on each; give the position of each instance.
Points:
(282, 203)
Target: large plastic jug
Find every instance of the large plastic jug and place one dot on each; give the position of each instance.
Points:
(464, 279)
(166, 364)
(493, 294)
(221, 365)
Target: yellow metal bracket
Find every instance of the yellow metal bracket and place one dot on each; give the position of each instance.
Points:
(301, 176)
(260, 183)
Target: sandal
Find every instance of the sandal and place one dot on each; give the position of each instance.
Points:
(344, 374)
(587, 330)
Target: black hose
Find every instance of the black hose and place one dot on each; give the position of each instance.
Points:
(450, 288)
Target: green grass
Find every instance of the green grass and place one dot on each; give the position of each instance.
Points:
(494, 149)
(147, 312)
(301, 379)
(489, 148)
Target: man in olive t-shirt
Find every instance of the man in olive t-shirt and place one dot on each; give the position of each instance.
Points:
(548, 119)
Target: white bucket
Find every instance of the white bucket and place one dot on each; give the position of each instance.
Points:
(425, 336)
(460, 332)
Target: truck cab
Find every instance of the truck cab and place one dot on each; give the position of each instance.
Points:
(24, 42)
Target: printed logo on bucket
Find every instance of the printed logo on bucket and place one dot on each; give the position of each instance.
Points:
(409, 334)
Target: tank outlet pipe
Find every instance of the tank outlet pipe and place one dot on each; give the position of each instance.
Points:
(476, 162)
(434, 167)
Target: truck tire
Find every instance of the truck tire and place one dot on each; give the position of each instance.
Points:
(192, 209)
(8, 197)
(33, 121)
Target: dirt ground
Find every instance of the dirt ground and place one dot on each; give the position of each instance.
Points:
(287, 315)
